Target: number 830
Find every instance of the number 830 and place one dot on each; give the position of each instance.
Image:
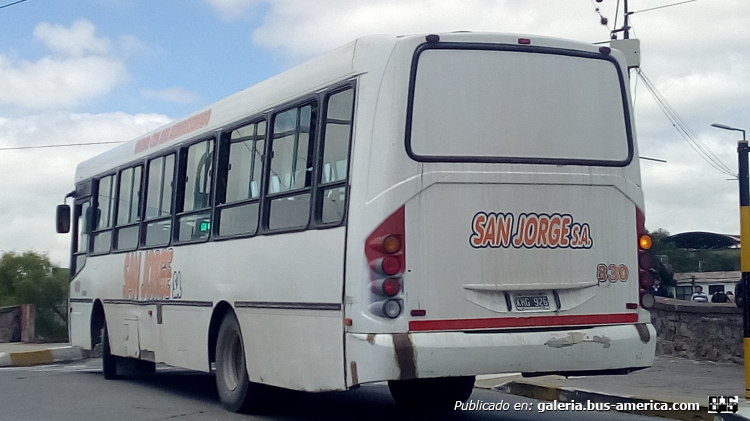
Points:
(611, 272)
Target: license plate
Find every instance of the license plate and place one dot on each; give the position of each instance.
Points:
(532, 301)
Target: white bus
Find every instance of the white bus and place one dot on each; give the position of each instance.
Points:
(417, 210)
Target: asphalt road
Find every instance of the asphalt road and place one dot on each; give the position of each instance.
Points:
(77, 391)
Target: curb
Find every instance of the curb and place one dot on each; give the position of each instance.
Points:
(45, 356)
(551, 393)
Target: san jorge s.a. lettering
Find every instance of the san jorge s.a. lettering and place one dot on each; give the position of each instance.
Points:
(151, 282)
(529, 230)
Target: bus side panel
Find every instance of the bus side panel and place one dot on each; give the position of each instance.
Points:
(80, 322)
(81, 308)
(295, 349)
(286, 291)
(181, 338)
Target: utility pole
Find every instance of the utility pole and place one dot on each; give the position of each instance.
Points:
(744, 179)
(626, 25)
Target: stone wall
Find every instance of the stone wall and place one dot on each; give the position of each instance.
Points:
(10, 324)
(700, 331)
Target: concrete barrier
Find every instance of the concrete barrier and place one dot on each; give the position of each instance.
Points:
(41, 356)
(700, 331)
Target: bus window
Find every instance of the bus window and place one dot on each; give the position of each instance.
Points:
(159, 201)
(291, 167)
(198, 176)
(555, 108)
(338, 124)
(104, 207)
(242, 174)
(128, 209)
(83, 227)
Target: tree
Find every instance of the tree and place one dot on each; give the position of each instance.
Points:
(659, 248)
(682, 260)
(30, 278)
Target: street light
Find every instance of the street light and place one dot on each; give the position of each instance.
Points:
(724, 127)
(743, 292)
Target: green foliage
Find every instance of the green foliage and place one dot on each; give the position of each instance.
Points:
(30, 278)
(681, 260)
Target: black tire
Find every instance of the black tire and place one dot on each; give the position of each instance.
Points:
(236, 392)
(440, 393)
(109, 361)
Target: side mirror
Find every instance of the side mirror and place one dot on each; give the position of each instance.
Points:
(62, 219)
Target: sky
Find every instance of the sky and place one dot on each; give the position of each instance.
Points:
(88, 71)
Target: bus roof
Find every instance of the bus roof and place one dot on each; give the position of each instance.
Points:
(354, 58)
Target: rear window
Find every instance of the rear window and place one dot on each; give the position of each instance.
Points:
(517, 104)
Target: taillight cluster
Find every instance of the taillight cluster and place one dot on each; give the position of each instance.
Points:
(386, 256)
(645, 263)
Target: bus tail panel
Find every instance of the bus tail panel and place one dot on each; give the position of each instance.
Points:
(499, 274)
(513, 256)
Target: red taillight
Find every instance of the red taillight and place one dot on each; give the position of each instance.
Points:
(390, 265)
(391, 287)
(388, 287)
(644, 261)
(646, 280)
(386, 257)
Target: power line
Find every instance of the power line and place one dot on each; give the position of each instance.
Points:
(661, 7)
(58, 146)
(11, 4)
(682, 128)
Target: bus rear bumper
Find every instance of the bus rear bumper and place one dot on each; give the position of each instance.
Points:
(401, 356)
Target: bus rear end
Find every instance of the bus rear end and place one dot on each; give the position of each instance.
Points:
(495, 218)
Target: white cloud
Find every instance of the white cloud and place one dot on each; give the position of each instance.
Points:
(176, 95)
(37, 179)
(129, 44)
(686, 193)
(83, 68)
(51, 82)
(76, 41)
(305, 29)
(232, 9)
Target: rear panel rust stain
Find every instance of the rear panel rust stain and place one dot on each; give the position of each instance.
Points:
(405, 356)
(371, 338)
(355, 377)
(643, 332)
(148, 355)
(575, 338)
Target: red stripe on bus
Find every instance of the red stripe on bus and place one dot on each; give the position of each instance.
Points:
(534, 321)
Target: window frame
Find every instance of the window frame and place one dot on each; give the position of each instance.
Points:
(265, 210)
(144, 199)
(222, 171)
(94, 205)
(179, 187)
(80, 201)
(318, 184)
(140, 211)
(427, 158)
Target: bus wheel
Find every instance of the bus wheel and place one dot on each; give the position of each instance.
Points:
(438, 393)
(109, 361)
(234, 386)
